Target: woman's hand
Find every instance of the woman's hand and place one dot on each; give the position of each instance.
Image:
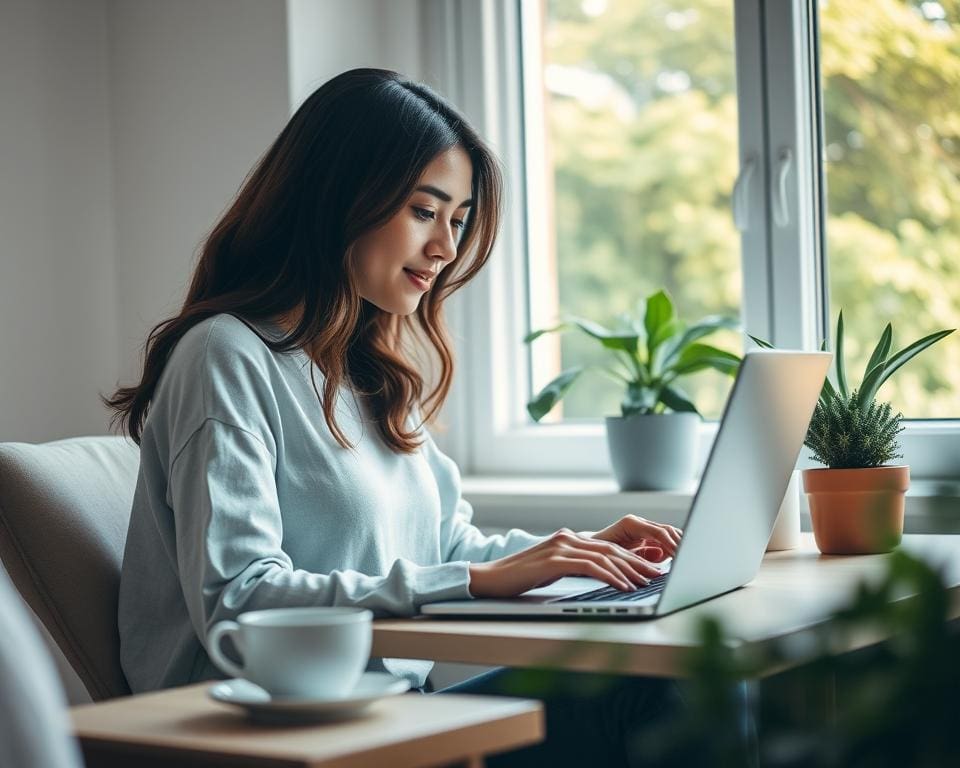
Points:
(566, 553)
(652, 541)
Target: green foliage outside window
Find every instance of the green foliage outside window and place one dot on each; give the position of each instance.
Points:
(645, 158)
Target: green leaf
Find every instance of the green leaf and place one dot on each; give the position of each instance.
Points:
(553, 329)
(838, 359)
(879, 353)
(676, 400)
(700, 329)
(632, 364)
(551, 394)
(629, 324)
(664, 332)
(697, 357)
(760, 342)
(641, 310)
(659, 312)
(881, 373)
(827, 392)
(627, 342)
(871, 383)
(660, 347)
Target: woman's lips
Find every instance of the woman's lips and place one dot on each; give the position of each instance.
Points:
(418, 281)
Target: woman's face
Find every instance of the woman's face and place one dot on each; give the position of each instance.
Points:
(397, 263)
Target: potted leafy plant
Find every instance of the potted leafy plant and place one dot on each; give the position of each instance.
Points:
(653, 443)
(857, 502)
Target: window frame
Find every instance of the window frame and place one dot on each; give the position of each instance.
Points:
(479, 66)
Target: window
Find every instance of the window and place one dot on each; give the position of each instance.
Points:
(891, 116)
(629, 132)
(631, 125)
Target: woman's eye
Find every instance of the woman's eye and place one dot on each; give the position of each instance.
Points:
(459, 224)
(425, 214)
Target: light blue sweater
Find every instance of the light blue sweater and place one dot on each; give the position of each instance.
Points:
(245, 501)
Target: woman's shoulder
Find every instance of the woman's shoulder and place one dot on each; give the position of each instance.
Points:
(224, 338)
(224, 357)
(221, 369)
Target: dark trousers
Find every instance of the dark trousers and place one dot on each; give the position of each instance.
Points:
(591, 719)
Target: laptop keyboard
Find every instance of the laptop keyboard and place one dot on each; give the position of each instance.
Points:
(612, 594)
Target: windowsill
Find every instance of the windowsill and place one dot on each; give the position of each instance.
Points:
(542, 505)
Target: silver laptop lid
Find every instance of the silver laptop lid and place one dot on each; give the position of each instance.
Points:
(756, 448)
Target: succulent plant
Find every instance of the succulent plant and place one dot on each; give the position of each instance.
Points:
(842, 435)
(647, 357)
(849, 429)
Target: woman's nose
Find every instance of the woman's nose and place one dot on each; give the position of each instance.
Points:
(443, 247)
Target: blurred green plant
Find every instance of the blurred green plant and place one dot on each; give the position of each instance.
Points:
(896, 703)
(849, 429)
(648, 352)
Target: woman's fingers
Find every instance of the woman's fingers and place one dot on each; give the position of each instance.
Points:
(635, 561)
(631, 532)
(651, 552)
(577, 566)
(625, 565)
(625, 576)
(660, 533)
(612, 549)
(631, 566)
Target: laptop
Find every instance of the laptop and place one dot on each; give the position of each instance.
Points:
(731, 516)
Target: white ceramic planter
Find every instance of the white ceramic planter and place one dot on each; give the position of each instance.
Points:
(653, 452)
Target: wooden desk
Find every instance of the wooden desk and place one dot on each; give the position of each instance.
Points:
(182, 727)
(793, 591)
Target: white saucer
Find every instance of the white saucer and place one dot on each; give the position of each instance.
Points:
(261, 706)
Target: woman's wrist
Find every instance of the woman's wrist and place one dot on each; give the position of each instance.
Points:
(479, 579)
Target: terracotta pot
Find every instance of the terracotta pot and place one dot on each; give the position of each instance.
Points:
(856, 511)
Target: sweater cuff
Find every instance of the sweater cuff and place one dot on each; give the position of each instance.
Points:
(449, 581)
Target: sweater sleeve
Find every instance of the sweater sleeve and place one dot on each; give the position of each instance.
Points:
(459, 538)
(229, 536)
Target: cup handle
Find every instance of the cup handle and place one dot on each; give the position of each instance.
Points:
(219, 631)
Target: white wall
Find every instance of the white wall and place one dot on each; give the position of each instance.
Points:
(330, 36)
(58, 313)
(199, 91)
(126, 127)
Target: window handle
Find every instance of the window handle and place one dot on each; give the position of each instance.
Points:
(741, 192)
(781, 214)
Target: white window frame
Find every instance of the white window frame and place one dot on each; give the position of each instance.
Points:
(472, 54)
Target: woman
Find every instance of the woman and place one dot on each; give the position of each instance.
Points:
(280, 415)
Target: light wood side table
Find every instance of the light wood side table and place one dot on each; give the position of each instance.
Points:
(183, 727)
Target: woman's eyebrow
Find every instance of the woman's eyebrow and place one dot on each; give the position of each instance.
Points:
(436, 192)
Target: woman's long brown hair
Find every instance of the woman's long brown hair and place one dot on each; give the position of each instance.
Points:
(345, 163)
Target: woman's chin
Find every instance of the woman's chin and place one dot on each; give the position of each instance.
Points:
(398, 306)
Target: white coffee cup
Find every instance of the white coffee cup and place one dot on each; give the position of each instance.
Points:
(298, 652)
(786, 529)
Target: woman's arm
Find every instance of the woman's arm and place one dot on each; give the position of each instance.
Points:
(507, 565)
(459, 538)
(229, 535)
